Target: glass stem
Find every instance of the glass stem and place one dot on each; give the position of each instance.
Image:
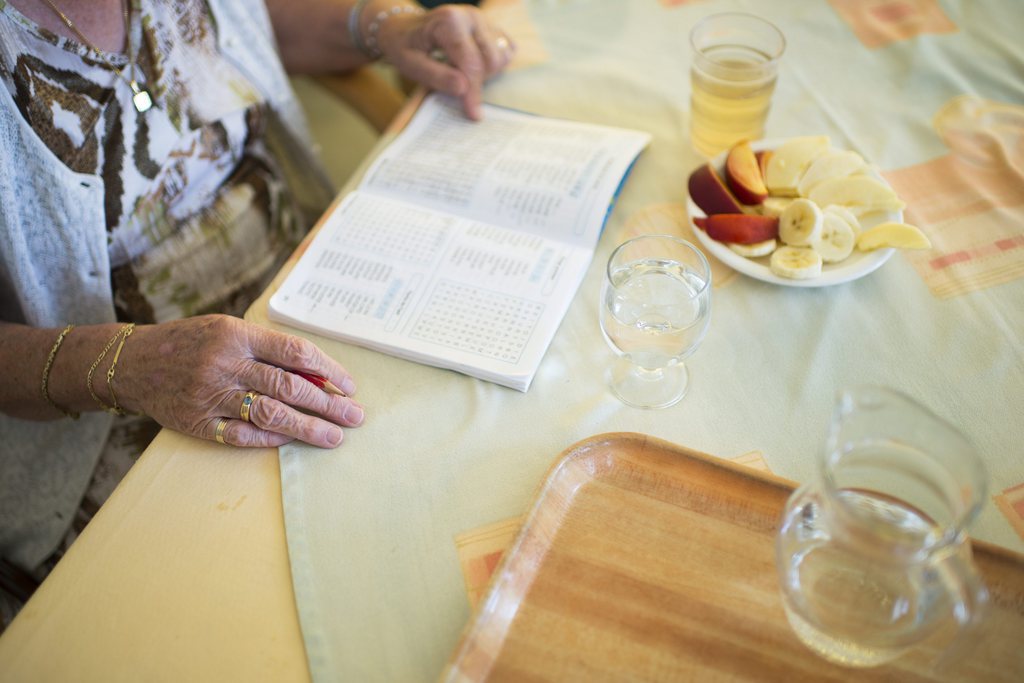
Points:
(648, 375)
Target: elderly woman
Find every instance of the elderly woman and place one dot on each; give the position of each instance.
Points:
(155, 174)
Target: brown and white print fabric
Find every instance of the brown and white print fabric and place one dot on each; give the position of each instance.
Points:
(198, 215)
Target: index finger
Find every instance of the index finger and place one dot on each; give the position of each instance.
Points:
(464, 54)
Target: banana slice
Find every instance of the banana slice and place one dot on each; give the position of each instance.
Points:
(836, 240)
(796, 263)
(789, 161)
(859, 193)
(849, 216)
(899, 235)
(800, 223)
(754, 250)
(834, 163)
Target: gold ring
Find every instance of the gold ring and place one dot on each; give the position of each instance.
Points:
(247, 401)
(219, 435)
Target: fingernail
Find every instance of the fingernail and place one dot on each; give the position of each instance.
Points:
(348, 386)
(354, 414)
(334, 436)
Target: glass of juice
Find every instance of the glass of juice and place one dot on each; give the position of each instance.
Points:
(735, 65)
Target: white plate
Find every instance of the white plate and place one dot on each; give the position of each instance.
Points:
(858, 264)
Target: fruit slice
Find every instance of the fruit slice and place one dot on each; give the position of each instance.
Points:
(836, 240)
(743, 174)
(789, 161)
(754, 250)
(708, 191)
(834, 163)
(762, 160)
(859, 193)
(774, 206)
(800, 223)
(740, 228)
(899, 235)
(846, 215)
(872, 218)
(796, 263)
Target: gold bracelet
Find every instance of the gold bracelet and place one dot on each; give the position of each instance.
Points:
(99, 359)
(49, 366)
(128, 329)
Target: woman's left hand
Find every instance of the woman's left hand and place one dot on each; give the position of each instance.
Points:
(453, 49)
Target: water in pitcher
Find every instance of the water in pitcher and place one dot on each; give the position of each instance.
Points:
(855, 610)
(872, 553)
(731, 93)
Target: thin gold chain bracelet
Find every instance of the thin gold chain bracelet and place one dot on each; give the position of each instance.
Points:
(120, 334)
(128, 329)
(49, 366)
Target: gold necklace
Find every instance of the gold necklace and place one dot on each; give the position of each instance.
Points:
(140, 96)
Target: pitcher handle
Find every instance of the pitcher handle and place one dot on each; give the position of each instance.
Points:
(969, 611)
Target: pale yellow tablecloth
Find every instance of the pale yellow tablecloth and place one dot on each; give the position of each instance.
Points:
(371, 525)
(183, 575)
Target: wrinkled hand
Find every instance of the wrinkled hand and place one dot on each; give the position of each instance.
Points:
(191, 373)
(471, 48)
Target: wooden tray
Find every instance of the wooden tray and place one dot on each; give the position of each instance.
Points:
(643, 560)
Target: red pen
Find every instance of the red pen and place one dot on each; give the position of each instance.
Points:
(321, 382)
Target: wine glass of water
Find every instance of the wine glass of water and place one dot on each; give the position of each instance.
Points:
(655, 310)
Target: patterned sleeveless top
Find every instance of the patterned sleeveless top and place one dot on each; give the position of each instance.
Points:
(198, 216)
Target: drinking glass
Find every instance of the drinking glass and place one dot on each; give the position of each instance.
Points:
(873, 554)
(655, 309)
(732, 78)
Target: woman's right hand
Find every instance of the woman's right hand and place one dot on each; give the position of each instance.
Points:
(192, 374)
(473, 50)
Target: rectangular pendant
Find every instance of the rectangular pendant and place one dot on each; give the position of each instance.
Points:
(142, 101)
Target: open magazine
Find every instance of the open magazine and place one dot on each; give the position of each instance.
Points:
(465, 243)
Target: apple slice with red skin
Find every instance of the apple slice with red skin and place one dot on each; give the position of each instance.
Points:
(739, 228)
(709, 192)
(743, 174)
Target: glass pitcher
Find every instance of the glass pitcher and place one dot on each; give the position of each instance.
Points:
(873, 555)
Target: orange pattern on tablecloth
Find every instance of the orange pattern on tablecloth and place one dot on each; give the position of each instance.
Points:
(481, 549)
(1011, 503)
(754, 460)
(969, 202)
(877, 23)
(671, 219)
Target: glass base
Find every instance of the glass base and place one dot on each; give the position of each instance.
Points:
(641, 388)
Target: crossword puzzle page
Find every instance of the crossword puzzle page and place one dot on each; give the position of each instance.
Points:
(550, 177)
(406, 265)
